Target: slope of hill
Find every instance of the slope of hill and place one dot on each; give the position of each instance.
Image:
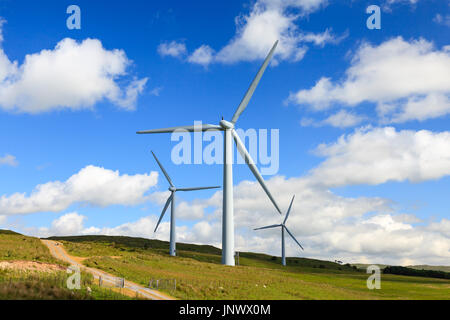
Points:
(14, 246)
(199, 274)
(29, 271)
(202, 253)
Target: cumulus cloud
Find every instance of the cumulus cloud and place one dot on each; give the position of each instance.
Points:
(92, 185)
(383, 154)
(173, 49)
(440, 19)
(202, 55)
(257, 31)
(405, 80)
(74, 75)
(9, 160)
(341, 119)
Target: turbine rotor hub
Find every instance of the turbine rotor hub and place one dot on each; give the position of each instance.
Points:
(172, 189)
(226, 124)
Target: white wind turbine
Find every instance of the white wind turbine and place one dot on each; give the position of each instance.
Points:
(171, 200)
(283, 228)
(229, 134)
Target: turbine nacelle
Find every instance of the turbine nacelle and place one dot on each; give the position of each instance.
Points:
(226, 125)
(172, 189)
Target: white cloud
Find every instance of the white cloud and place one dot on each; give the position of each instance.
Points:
(70, 223)
(74, 75)
(3, 220)
(341, 119)
(406, 80)
(257, 31)
(202, 55)
(320, 39)
(173, 49)
(9, 160)
(443, 227)
(383, 154)
(156, 91)
(444, 20)
(92, 185)
(387, 222)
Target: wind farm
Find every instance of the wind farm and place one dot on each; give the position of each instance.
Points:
(229, 133)
(224, 150)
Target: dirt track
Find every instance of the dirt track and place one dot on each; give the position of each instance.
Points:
(57, 250)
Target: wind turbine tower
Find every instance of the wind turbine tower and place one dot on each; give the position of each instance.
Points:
(283, 228)
(171, 201)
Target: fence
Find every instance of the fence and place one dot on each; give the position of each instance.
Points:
(163, 284)
(110, 282)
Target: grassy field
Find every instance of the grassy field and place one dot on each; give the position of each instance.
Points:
(199, 274)
(34, 284)
(14, 246)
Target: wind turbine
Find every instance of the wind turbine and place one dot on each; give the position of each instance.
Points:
(171, 200)
(229, 135)
(283, 228)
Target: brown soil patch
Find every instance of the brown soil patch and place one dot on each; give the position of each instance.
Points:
(31, 266)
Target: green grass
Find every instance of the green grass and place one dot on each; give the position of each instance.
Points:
(32, 285)
(200, 275)
(14, 246)
(15, 285)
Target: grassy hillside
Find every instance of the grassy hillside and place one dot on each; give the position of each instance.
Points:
(111, 245)
(30, 284)
(199, 274)
(14, 246)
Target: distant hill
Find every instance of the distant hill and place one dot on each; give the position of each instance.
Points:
(416, 273)
(205, 253)
(363, 266)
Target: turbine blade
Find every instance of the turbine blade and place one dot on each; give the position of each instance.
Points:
(198, 188)
(253, 85)
(163, 170)
(289, 210)
(293, 237)
(169, 200)
(203, 127)
(253, 168)
(269, 227)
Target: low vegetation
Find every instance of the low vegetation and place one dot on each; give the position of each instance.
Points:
(199, 274)
(14, 246)
(28, 272)
(416, 273)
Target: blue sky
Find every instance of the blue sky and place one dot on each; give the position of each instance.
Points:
(183, 61)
